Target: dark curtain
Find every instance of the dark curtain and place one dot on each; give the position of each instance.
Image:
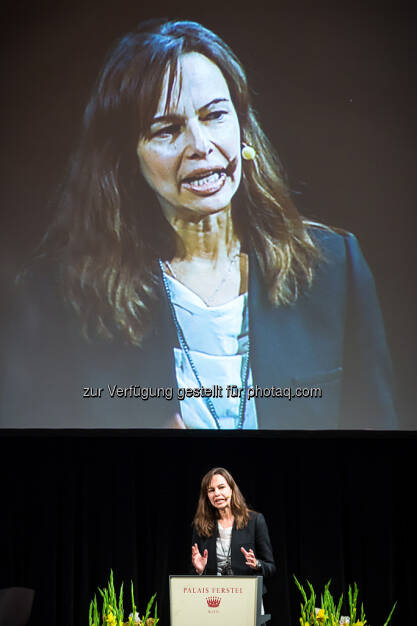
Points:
(74, 506)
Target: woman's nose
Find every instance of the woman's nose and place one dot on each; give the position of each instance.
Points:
(198, 141)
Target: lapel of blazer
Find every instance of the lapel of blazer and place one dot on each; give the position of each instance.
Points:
(273, 333)
(235, 545)
(212, 556)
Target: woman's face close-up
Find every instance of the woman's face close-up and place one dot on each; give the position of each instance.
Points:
(191, 156)
(219, 492)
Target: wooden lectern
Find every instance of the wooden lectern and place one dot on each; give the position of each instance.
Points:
(216, 601)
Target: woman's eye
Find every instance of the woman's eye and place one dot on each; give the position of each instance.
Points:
(167, 131)
(215, 115)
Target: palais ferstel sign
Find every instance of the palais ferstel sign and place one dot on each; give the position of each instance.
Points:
(215, 600)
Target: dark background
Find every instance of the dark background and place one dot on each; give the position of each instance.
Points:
(337, 507)
(334, 84)
(335, 88)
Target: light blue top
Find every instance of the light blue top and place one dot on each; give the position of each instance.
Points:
(218, 338)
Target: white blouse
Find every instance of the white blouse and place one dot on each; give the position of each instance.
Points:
(223, 542)
(218, 339)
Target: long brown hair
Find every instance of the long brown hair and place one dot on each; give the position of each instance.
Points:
(110, 231)
(207, 515)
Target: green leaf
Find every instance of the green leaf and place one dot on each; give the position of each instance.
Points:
(312, 603)
(121, 612)
(390, 615)
(133, 602)
(96, 613)
(363, 620)
(301, 589)
(339, 607)
(148, 608)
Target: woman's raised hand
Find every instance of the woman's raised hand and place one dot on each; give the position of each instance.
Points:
(199, 561)
(250, 557)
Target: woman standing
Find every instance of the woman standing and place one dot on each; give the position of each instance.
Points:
(228, 537)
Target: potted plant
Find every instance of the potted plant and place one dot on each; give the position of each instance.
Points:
(112, 610)
(328, 613)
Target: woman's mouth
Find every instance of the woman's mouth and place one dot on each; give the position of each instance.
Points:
(205, 183)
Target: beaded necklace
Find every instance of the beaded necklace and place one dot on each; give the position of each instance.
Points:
(185, 348)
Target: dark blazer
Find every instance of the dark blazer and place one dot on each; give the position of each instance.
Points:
(332, 338)
(255, 535)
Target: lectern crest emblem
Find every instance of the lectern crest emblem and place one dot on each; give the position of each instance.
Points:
(213, 601)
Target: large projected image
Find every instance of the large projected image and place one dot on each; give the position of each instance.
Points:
(179, 284)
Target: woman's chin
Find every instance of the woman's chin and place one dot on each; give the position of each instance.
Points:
(208, 205)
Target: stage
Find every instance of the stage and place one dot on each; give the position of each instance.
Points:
(76, 505)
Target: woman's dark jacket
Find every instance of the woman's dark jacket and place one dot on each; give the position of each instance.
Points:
(255, 535)
(332, 339)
